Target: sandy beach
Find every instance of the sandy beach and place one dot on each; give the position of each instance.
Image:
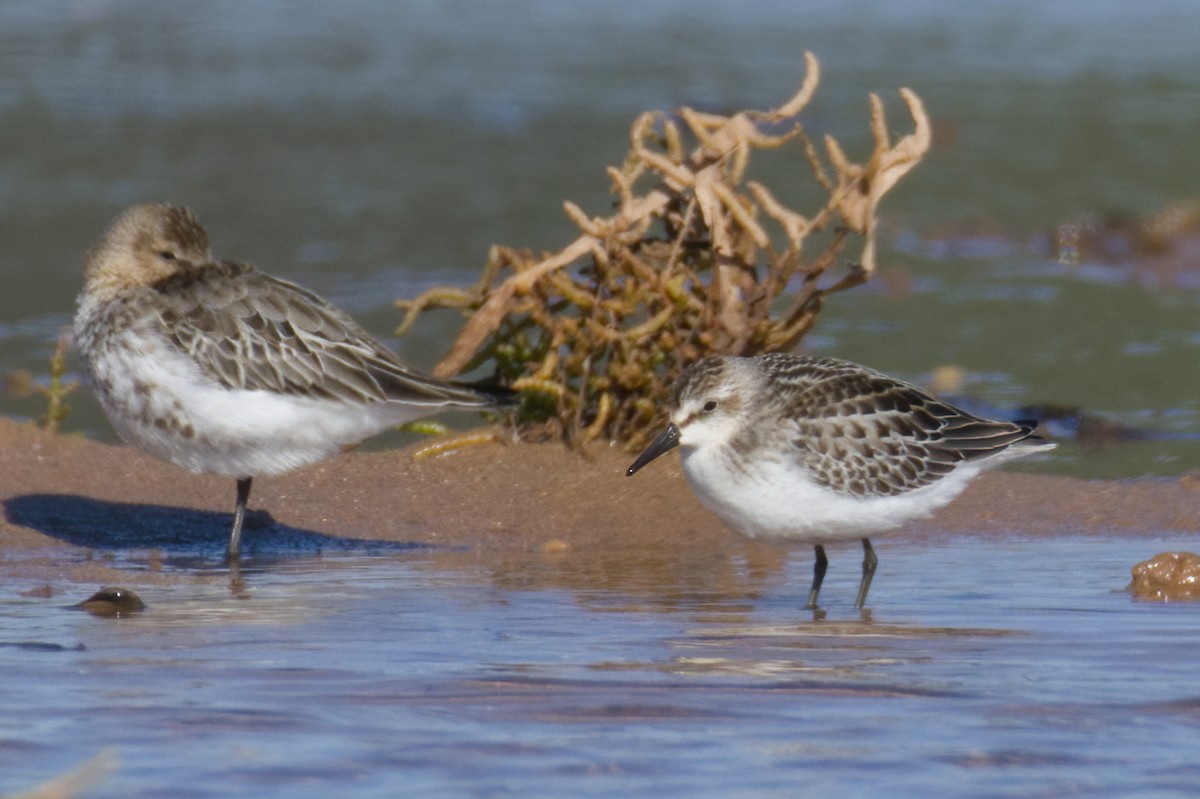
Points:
(70, 501)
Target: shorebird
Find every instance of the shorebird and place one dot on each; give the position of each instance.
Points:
(815, 450)
(222, 369)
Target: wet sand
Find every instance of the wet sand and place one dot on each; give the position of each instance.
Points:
(67, 491)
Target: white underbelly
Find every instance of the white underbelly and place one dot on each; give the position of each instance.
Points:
(776, 499)
(160, 402)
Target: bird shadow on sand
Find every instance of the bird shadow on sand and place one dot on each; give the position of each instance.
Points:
(187, 536)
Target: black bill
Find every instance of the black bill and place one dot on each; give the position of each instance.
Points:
(664, 443)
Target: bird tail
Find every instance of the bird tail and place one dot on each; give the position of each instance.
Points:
(1029, 441)
(493, 394)
(970, 438)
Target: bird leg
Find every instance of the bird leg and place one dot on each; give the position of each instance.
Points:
(818, 576)
(869, 563)
(239, 516)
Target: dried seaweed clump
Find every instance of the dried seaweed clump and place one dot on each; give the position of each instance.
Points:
(696, 260)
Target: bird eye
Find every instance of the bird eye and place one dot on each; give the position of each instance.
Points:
(166, 255)
(710, 406)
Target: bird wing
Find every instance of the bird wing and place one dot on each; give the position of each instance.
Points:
(867, 434)
(248, 330)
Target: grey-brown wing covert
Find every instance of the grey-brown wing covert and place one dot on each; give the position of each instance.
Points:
(248, 330)
(863, 433)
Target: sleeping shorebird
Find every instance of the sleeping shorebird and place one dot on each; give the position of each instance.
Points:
(219, 368)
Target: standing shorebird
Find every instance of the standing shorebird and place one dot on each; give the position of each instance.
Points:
(814, 450)
(219, 368)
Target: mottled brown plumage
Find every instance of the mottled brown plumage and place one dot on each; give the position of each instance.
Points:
(251, 331)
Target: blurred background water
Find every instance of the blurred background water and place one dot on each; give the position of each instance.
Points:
(371, 150)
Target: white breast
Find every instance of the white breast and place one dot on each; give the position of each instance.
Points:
(158, 400)
(774, 497)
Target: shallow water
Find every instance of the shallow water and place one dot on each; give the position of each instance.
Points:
(1009, 667)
